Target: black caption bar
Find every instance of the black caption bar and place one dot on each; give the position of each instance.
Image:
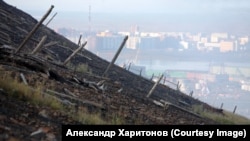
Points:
(169, 132)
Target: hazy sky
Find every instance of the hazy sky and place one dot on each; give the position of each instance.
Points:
(168, 14)
(142, 6)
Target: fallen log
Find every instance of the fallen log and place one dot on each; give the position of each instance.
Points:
(69, 92)
(51, 44)
(180, 108)
(15, 68)
(99, 86)
(84, 102)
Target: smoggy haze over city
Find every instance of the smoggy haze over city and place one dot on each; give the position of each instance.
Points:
(150, 15)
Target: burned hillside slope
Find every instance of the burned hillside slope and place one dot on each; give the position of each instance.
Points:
(78, 84)
(16, 24)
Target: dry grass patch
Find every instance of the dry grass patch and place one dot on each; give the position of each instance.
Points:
(13, 87)
(21, 91)
(225, 118)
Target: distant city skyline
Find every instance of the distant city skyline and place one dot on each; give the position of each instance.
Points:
(150, 15)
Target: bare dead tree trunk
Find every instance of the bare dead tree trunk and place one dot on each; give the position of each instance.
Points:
(140, 71)
(74, 53)
(178, 86)
(40, 44)
(235, 109)
(115, 57)
(152, 77)
(51, 19)
(34, 29)
(129, 66)
(221, 106)
(79, 41)
(153, 88)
